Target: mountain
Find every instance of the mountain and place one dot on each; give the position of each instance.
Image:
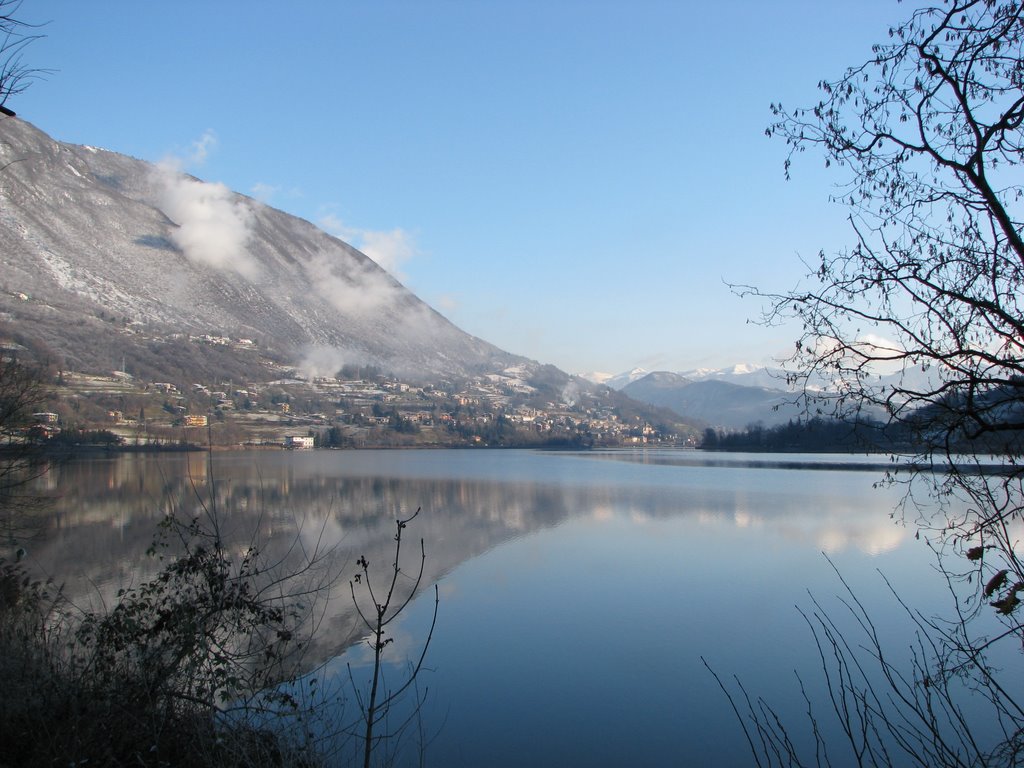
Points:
(744, 374)
(110, 263)
(731, 397)
(737, 397)
(747, 375)
(621, 380)
(715, 402)
(596, 377)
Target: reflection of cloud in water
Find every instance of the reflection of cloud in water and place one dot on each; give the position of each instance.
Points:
(870, 541)
(836, 531)
(832, 534)
(831, 523)
(743, 519)
(319, 530)
(708, 518)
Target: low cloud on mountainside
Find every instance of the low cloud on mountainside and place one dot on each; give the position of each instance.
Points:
(351, 287)
(324, 360)
(390, 249)
(214, 225)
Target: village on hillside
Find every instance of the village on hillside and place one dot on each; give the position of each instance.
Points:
(361, 408)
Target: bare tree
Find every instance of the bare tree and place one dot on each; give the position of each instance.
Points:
(386, 605)
(937, 701)
(928, 137)
(20, 384)
(16, 35)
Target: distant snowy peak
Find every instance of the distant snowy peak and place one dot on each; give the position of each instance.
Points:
(742, 369)
(623, 379)
(596, 377)
(744, 374)
(753, 375)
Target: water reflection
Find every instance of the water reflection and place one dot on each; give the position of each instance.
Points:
(555, 571)
(104, 511)
(109, 506)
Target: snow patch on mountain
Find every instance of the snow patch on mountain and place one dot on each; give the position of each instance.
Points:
(596, 377)
(745, 374)
(621, 380)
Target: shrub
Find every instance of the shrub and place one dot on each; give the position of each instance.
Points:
(181, 671)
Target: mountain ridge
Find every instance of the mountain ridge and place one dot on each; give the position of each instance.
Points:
(743, 395)
(715, 401)
(107, 259)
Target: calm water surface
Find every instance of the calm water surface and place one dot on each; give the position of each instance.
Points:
(578, 591)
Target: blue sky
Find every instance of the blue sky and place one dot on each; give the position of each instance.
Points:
(572, 180)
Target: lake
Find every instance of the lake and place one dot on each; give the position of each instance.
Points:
(579, 592)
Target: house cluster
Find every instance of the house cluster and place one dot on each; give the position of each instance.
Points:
(507, 408)
(45, 424)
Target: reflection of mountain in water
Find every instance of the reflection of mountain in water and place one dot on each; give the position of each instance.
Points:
(105, 512)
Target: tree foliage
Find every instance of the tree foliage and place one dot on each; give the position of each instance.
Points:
(814, 435)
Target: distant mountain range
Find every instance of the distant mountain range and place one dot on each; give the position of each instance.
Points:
(738, 396)
(731, 398)
(742, 374)
(113, 263)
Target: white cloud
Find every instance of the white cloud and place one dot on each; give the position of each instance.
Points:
(201, 148)
(570, 393)
(864, 345)
(351, 286)
(333, 225)
(323, 360)
(447, 302)
(389, 249)
(879, 347)
(194, 156)
(213, 225)
(263, 192)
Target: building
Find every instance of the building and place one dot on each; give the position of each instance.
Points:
(298, 441)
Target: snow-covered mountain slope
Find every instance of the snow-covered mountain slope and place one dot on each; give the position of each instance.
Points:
(621, 380)
(744, 374)
(108, 260)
